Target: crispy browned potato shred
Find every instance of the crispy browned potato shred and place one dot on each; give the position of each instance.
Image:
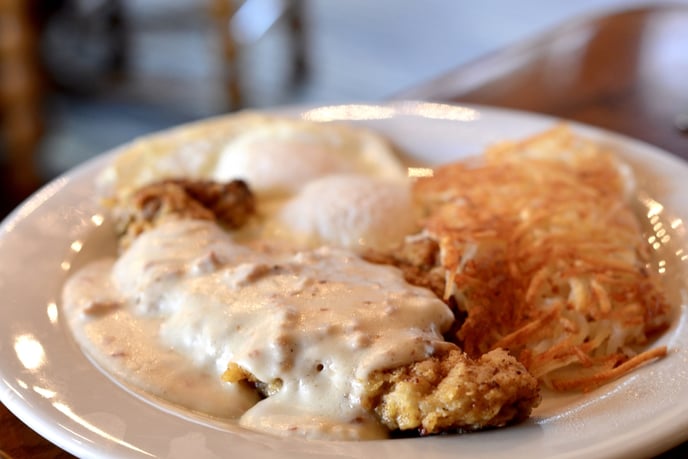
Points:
(545, 257)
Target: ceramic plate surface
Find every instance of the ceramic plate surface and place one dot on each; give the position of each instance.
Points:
(46, 380)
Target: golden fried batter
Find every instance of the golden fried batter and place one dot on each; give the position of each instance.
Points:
(418, 260)
(453, 392)
(231, 204)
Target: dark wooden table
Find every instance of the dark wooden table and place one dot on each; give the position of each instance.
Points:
(626, 72)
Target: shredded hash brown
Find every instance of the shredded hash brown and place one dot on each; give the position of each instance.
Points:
(543, 255)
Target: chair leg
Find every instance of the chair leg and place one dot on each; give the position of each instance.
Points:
(21, 117)
(296, 17)
(222, 12)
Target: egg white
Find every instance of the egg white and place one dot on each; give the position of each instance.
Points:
(278, 157)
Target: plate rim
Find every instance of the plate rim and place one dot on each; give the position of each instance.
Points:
(43, 426)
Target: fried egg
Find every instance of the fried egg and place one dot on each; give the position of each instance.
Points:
(273, 154)
(351, 211)
(316, 183)
(280, 157)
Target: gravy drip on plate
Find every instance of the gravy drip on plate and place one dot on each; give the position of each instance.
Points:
(185, 300)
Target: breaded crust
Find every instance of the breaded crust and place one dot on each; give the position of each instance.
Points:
(231, 204)
(452, 392)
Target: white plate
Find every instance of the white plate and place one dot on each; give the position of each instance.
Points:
(49, 384)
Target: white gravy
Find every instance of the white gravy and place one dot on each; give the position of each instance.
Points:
(185, 300)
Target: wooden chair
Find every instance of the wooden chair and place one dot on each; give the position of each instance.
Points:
(230, 21)
(20, 100)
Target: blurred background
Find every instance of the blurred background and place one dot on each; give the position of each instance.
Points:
(79, 77)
